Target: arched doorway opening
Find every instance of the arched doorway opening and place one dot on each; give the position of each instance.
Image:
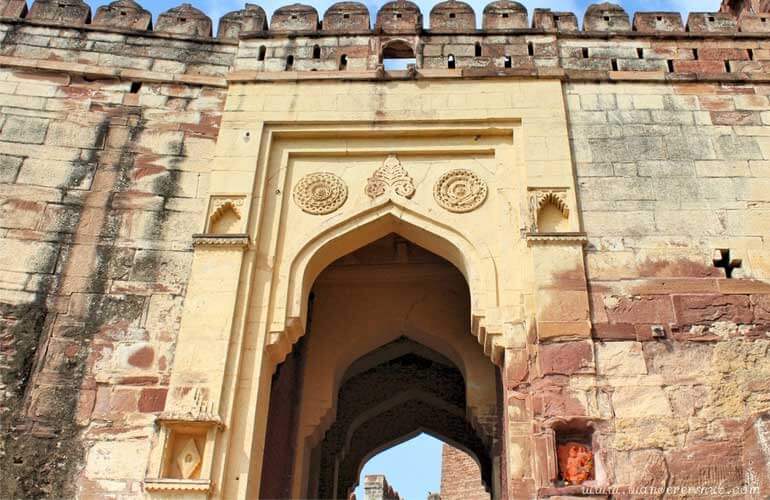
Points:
(387, 355)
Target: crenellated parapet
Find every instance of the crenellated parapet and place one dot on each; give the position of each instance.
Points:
(395, 17)
(606, 44)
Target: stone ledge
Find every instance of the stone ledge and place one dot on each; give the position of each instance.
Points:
(116, 73)
(546, 238)
(196, 485)
(118, 31)
(221, 240)
(201, 419)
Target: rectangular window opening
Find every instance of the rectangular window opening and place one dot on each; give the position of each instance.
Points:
(136, 87)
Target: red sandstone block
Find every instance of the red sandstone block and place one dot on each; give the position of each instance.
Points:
(714, 459)
(642, 309)
(735, 118)
(699, 67)
(751, 23)
(516, 367)
(703, 309)
(566, 358)
(552, 399)
(711, 22)
(723, 54)
(760, 305)
(152, 400)
(123, 401)
(730, 286)
(716, 103)
(614, 331)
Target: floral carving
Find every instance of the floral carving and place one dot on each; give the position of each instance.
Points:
(460, 190)
(541, 197)
(320, 193)
(390, 177)
(576, 463)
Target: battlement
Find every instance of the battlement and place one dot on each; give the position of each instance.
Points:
(398, 17)
(299, 43)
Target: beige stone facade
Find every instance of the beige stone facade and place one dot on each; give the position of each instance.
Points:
(239, 267)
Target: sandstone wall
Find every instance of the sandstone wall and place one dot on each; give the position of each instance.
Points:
(106, 139)
(102, 182)
(667, 173)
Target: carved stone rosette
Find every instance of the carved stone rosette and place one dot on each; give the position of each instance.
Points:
(460, 191)
(320, 193)
(390, 177)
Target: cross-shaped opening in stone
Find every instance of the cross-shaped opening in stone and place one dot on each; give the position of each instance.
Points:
(725, 262)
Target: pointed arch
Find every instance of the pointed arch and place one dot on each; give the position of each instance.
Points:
(352, 230)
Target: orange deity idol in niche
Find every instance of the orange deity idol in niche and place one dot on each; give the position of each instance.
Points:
(576, 463)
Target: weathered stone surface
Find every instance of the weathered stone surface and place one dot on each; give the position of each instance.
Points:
(643, 401)
(504, 14)
(620, 359)
(113, 153)
(250, 19)
(346, 17)
(295, 17)
(74, 12)
(566, 358)
(185, 20)
(125, 14)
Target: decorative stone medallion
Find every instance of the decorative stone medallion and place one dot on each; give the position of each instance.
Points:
(460, 190)
(320, 193)
(391, 176)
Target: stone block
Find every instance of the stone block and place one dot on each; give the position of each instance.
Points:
(346, 17)
(720, 460)
(711, 22)
(152, 400)
(26, 130)
(754, 23)
(295, 17)
(125, 14)
(452, 16)
(706, 309)
(606, 17)
(620, 359)
(13, 8)
(75, 12)
(555, 21)
(185, 20)
(505, 15)
(640, 402)
(248, 20)
(566, 358)
(9, 167)
(651, 22)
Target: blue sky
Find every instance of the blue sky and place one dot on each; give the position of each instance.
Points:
(414, 467)
(216, 8)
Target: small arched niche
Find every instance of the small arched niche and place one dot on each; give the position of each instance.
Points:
(225, 216)
(550, 212)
